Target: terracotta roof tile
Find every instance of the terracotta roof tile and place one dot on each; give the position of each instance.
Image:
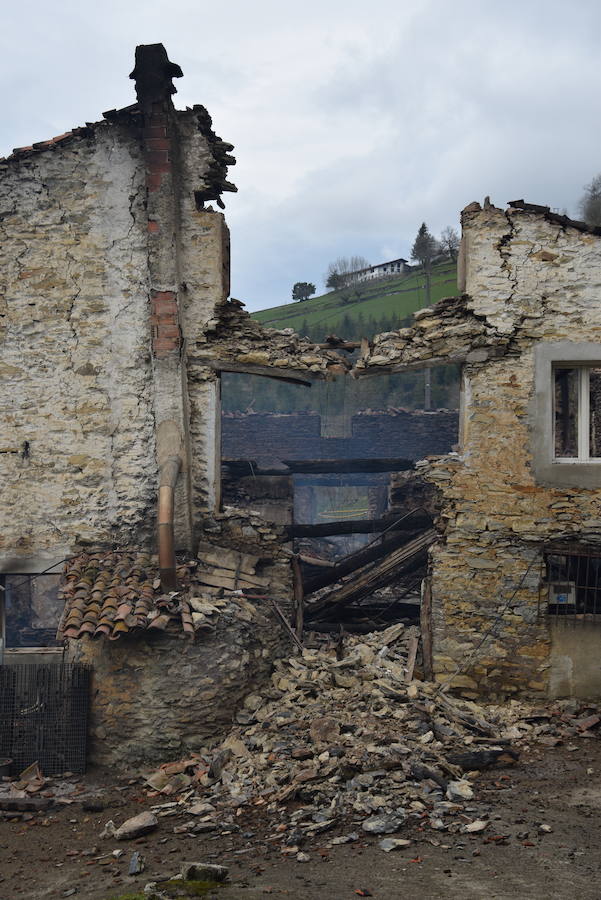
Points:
(112, 594)
(86, 130)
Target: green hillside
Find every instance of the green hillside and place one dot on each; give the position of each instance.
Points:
(380, 306)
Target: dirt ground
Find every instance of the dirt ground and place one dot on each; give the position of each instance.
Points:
(51, 854)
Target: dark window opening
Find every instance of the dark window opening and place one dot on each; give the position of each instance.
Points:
(32, 609)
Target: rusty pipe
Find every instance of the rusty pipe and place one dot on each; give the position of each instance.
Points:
(168, 473)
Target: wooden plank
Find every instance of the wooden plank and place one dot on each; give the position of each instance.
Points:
(376, 577)
(226, 558)
(420, 519)
(400, 562)
(411, 657)
(230, 580)
(426, 629)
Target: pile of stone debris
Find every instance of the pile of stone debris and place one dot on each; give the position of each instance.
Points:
(353, 746)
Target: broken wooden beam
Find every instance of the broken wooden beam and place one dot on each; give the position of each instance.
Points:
(419, 520)
(372, 578)
(493, 757)
(358, 560)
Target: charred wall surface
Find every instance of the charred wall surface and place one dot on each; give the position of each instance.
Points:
(411, 435)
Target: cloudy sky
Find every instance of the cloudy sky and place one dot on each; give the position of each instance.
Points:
(353, 122)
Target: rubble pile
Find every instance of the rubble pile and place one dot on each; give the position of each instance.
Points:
(233, 335)
(350, 745)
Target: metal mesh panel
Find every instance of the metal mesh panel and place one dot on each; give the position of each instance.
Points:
(573, 582)
(43, 716)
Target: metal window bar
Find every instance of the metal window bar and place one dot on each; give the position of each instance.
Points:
(571, 585)
(44, 716)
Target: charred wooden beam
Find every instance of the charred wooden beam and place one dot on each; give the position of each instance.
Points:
(351, 479)
(359, 559)
(419, 520)
(305, 466)
(368, 580)
(241, 467)
(220, 365)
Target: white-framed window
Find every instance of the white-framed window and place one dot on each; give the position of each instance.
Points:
(576, 413)
(565, 414)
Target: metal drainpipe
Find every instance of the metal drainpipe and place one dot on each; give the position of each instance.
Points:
(167, 478)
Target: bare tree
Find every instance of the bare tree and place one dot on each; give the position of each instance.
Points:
(343, 271)
(590, 202)
(449, 242)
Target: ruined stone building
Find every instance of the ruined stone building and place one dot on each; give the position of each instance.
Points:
(115, 327)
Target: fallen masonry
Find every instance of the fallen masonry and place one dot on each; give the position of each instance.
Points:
(349, 746)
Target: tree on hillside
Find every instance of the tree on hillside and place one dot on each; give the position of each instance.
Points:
(449, 242)
(302, 290)
(425, 247)
(590, 202)
(342, 271)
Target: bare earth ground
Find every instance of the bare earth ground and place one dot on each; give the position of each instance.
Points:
(54, 852)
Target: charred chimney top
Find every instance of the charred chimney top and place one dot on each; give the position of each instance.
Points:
(153, 72)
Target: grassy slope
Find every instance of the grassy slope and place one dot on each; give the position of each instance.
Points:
(389, 297)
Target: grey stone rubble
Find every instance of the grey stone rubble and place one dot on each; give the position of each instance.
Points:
(349, 746)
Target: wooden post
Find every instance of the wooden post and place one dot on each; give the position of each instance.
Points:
(426, 625)
(298, 597)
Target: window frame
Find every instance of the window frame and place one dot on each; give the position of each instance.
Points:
(584, 415)
(580, 471)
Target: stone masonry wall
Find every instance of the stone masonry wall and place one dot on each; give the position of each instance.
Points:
(77, 446)
(156, 698)
(95, 329)
(529, 279)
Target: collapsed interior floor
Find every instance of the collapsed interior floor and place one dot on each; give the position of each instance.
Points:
(335, 468)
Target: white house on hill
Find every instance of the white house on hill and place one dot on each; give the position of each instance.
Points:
(382, 270)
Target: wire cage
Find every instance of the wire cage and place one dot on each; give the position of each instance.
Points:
(44, 716)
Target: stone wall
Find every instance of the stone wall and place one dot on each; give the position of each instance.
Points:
(530, 278)
(396, 433)
(77, 446)
(156, 698)
(111, 265)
